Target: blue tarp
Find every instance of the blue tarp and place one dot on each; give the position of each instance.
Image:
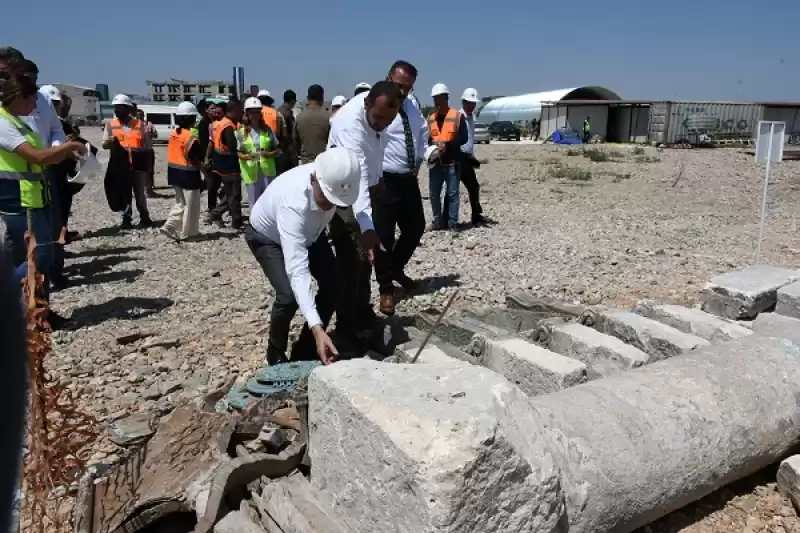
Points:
(566, 136)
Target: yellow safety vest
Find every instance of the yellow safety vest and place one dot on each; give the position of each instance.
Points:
(250, 167)
(22, 184)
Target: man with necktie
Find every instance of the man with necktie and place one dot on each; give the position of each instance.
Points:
(398, 203)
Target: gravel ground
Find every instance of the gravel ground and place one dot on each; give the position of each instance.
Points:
(656, 225)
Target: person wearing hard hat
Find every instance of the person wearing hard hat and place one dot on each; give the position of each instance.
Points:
(225, 165)
(274, 119)
(128, 133)
(361, 88)
(184, 156)
(468, 164)
(336, 105)
(258, 148)
(400, 203)
(152, 133)
(447, 131)
(287, 236)
(313, 126)
(359, 127)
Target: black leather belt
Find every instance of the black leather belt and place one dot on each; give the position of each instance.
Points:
(398, 174)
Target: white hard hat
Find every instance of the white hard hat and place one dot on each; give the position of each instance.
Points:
(338, 100)
(122, 99)
(339, 175)
(186, 109)
(470, 95)
(252, 103)
(439, 88)
(431, 155)
(263, 92)
(363, 85)
(51, 92)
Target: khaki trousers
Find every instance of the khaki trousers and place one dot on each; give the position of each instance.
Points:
(184, 217)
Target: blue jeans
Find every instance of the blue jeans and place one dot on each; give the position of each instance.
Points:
(16, 226)
(440, 176)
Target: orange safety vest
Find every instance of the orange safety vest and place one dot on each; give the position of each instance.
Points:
(270, 115)
(133, 142)
(449, 131)
(224, 161)
(180, 172)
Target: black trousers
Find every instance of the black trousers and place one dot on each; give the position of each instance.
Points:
(354, 311)
(466, 174)
(398, 206)
(232, 185)
(60, 194)
(322, 265)
(216, 193)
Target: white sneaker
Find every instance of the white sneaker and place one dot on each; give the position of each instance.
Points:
(171, 233)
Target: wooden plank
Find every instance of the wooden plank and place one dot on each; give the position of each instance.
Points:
(296, 507)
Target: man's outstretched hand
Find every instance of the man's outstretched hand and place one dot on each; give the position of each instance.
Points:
(370, 241)
(326, 351)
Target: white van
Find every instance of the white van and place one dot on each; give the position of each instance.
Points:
(162, 117)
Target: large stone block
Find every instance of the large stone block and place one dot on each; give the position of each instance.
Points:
(535, 370)
(513, 320)
(775, 325)
(693, 321)
(789, 300)
(788, 479)
(459, 330)
(418, 449)
(603, 354)
(747, 292)
(408, 349)
(657, 340)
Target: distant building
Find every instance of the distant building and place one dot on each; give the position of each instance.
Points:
(175, 90)
(85, 100)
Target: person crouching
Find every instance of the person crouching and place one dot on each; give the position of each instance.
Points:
(185, 155)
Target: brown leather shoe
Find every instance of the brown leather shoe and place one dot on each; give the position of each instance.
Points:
(387, 304)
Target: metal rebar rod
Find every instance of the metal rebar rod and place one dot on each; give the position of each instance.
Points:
(435, 325)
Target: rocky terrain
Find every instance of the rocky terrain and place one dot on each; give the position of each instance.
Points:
(652, 224)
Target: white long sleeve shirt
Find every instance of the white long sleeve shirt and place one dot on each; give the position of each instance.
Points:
(45, 122)
(287, 215)
(469, 147)
(351, 130)
(395, 158)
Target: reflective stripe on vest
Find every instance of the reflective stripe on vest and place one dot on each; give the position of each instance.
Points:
(178, 149)
(270, 115)
(449, 131)
(31, 189)
(250, 167)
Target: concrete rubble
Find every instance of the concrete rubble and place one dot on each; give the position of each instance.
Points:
(747, 292)
(541, 417)
(789, 300)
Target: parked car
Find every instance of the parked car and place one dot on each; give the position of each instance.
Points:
(482, 134)
(503, 129)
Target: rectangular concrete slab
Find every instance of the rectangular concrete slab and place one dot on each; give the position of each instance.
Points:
(418, 449)
(692, 321)
(603, 354)
(431, 354)
(418, 337)
(789, 300)
(459, 330)
(657, 340)
(533, 369)
(747, 292)
(779, 326)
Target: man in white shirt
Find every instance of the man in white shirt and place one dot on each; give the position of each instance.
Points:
(287, 237)
(468, 164)
(400, 203)
(357, 127)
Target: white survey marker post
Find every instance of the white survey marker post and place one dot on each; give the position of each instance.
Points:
(769, 149)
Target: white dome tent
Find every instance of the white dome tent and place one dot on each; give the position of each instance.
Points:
(526, 107)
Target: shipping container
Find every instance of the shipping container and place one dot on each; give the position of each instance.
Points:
(628, 123)
(725, 123)
(789, 115)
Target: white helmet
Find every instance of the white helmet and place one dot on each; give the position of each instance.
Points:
(51, 92)
(439, 88)
(122, 99)
(470, 95)
(252, 103)
(263, 92)
(339, 175)
(364, 86)
(186, 109)
(338, 101)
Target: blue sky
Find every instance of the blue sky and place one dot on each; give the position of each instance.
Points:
(682, 49)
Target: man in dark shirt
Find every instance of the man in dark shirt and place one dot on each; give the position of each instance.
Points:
(289, 152)
(225, 165)
(312, 127)
(444, 171)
